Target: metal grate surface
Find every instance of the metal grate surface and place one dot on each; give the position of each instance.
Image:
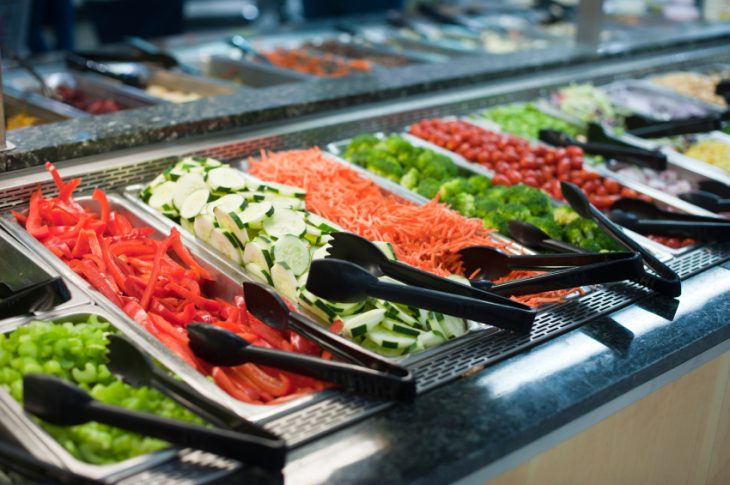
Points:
(340, 409)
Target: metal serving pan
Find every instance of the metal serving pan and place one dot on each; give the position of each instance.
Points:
(17, 105)
(247, 73)
(78, 296)
(476, 330)
(226, 284)
(89, 84)
(186, 83)
(35, 439)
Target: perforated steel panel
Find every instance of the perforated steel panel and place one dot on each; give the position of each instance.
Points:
(341, 409)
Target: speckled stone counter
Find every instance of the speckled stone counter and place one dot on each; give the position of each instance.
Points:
(248, 108)
(469, 429)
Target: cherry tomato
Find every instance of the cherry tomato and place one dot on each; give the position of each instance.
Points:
(500, 179)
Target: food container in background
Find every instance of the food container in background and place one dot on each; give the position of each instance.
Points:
(176, 87)
(20, 113)
(249, 74)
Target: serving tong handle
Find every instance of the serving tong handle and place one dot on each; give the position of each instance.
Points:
(628, 267)
(685, 126)
(701, 230)
(707, 200)
(82, 64)
(665, 281)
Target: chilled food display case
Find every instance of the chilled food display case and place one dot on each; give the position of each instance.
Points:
(540, 278)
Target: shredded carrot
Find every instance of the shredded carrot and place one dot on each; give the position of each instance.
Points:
(426, 236)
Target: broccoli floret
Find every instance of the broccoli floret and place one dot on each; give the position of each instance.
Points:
(587, 235)
(386, 167)
(359, 143)
(483, 207)
(434, 165)
(498, 193)
(548, 225)
(514, 211)
(428, 188)
(452, 188)
(398, 147)
(464, 204)
(410, 179)
(496, 220)
(536, 201)
(478, 184)
(564, 215)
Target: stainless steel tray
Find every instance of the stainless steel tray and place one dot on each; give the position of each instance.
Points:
(226, 284)
(476, 330)
(247, 73)
(186, 83)
(35, 439)
(78, 296)
(89, 84)
(17, 105)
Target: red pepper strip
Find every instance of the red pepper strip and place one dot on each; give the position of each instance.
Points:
(164, 312)
(265, 382)
(56, 176)
(97, 279)
(59, 248)
(81, 246)
(67, 232)
(95, 248)
(187, 258)
(291, 397)
(33, 222)
(95, 260)
(19, 217)
(267, 333)
(139, 233)
(337, 326)
(134, 248)
(111, 265)
(161, 251)
(100, 197)
(200, 301)
(303, 346)
(242, 381)
(204, 317)
(67, 191)
(225, 383)
(120, 225)
(61, 217)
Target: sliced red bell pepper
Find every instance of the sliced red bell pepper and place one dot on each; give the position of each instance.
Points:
(56, 176)
(275, 386)
(67, 191)
(33, 223)
(111, 264)
(200, 301)
(100, 197)
(225, 383)
(271, 335)
(19, 217)
(98, 280)
(187, 258)
(161, 251)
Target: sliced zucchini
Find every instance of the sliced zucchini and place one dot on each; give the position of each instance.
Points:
(194, 204)
(398, 327)
(259, 273)
(162, 195)
(292, 251)
(226, 179)
(257, 252)
(320, 252)
(427, 340)
(323, 224)
(390, 340)
(453, 326)
(362, 323)
(230, 222)
(203, 226)
(284, 281)
(229, 203)
(224, 245)
(285, 221)
(370, 345)
(186, 185)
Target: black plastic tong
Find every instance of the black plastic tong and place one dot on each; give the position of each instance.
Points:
(633, 155)
(646, 218)
(221, 347)
(133, 366)
(62, 403)
(665, 280)
(712, 195)
(242, 44)
(152, 53)
(531, 236)
(684, 126)
(573, 270)
(343, 281)
(130, 73)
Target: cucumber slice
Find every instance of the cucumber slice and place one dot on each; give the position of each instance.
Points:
(230, 222)
(292, 251)
(259, 273)
(398, 327)
(320, 252)
(186, 185)
(370, 345)
(394, 312)
(285, 202)
(435, 325)
(362, 323)
(460, 279)
(223, 244)
(284, 190)
(203, 226)
(162, 195)
(257, 252)
(255, 213)
(194, 204)
(429, 339)
(390, 340)
(453, 326)
(386, 248)
(284, 222)
(302, 279)
(229, 203)
(157, 181)
(226, 179)
(187, 224)
(284, 281)
(314, 306)
(323, 224)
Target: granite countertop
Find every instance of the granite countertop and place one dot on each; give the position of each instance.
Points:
(248, 108)
(467, 429)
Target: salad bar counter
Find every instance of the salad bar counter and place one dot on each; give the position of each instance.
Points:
(428, 290)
